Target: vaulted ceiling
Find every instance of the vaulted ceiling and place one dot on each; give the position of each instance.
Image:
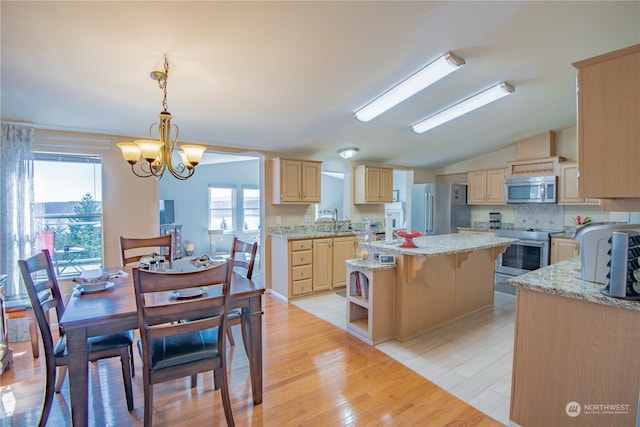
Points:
(288, 76)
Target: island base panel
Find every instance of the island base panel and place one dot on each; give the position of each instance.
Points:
(443, 289)
(568, 350)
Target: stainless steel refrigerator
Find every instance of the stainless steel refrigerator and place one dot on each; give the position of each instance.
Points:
(439, 208)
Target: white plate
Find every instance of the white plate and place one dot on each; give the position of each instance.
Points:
(189, 292)
(92, 288)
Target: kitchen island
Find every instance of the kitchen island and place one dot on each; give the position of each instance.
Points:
(576, 350)
(445, 278)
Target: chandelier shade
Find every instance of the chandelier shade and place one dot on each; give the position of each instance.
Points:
(152, 157)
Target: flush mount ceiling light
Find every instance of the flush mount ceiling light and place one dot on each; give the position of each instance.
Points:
(155, 156)
(436, 70)
(348, 153)
(476, 101)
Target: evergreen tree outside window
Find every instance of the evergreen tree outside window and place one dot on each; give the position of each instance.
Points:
(221, 209)
(251, 209)
(68, 206)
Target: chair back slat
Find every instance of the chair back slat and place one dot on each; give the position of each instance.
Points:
(134, 244)
(240, 251)
(195, 308)
(170, 313)
(37, 266)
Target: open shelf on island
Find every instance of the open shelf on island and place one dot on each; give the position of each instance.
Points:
(370, 303)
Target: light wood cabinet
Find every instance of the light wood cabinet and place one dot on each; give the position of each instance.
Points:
(568, 187)
(370, 303)
(291, 268)
(312, 265)
(344, 248)
(296, 181)
(563, 248)
(486, 187)
(372, 185)
(322, 264)
(608, 125)
(329, 256)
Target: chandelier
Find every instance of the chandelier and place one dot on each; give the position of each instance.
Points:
(154, 156)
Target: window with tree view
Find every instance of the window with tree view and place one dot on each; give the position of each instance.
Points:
(221, 208)
(68, 210)
(251, 209)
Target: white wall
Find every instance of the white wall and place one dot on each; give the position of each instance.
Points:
(192, 200)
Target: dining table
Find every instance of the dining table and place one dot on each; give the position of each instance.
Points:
(114, 310)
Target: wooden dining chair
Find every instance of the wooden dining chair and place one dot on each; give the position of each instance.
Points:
(243, 255)
(39, 279)
(130, 243)
(171, 348)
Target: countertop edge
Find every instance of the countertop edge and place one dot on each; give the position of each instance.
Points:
(562, 279)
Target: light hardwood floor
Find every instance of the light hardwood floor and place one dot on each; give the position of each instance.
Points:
(470, 358)
(314, 375)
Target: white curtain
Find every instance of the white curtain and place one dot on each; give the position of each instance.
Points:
(17, 219)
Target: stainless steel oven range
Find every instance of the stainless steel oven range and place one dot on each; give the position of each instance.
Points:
(530, 253)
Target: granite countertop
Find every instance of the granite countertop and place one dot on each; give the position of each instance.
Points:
(563, 279)
(442, 244)
(368, 264)
(312, 234)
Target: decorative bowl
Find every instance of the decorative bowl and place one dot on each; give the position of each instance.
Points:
(408, 237)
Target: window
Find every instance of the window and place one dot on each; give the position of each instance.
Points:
(68, 210)
(221, 207)
(251, 209)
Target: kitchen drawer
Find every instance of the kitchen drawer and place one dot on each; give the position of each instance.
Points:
(300, 245)
(299, 287)
(301, 258)
(301, 272)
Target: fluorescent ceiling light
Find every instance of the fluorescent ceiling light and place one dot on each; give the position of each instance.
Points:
(476, 101)
(430, 74)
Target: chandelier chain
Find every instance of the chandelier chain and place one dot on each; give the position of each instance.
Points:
(162, 83)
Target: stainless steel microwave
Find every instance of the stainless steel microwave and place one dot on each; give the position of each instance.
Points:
(533, 189)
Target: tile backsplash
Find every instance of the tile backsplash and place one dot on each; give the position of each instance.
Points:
(543, 216)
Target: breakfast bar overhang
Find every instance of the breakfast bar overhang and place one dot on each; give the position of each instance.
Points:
(446, 277)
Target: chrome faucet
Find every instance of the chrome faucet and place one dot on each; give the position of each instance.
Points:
(335, 220)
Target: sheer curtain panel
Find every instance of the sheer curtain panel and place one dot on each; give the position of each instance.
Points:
(17, 219)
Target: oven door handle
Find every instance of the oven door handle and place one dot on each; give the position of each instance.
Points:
(531, 243)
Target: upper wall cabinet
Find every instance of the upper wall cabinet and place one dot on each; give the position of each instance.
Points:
(372, 185)
(486, 187)
(568, 182)
(296, 181)
(609, 125)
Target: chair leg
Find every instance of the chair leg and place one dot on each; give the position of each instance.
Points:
(226, 400)
(62, 373)
(243, 328)
(48, 393)
(194, 381)
(33, 332)
(133, 368)
(216, 379)
(126, 376)
(230, 336)
(148, 400)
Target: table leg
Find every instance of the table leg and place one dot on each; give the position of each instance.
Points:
(78, 375)
(254, 329)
